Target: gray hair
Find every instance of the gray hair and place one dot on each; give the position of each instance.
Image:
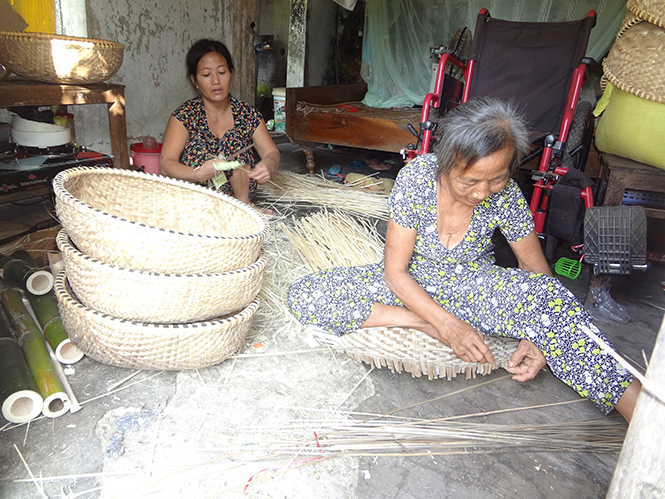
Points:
(476, 129)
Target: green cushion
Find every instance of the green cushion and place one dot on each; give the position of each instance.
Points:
(632, 128)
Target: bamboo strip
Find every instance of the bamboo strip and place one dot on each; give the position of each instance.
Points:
(33, 345)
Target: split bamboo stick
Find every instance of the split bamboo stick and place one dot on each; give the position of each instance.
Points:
(19, 395)
(46, 311)
(20, 273)
(33, 345)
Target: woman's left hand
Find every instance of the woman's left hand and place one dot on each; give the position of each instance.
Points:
(526, 361)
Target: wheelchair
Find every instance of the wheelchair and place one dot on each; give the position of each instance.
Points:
(540, 68)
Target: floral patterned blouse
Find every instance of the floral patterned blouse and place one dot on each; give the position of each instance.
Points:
(202, 144)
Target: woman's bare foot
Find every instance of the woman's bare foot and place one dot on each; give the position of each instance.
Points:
(266, 212)
(626, 404)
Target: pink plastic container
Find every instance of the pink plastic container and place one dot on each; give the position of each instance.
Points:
(146, 158)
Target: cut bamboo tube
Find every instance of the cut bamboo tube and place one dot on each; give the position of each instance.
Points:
(33, 345)
(21, 273)
(46, 312)
(19, 397)
(74, 406)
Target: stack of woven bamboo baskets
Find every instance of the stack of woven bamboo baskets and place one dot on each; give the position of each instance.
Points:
(158, 273)
(633, 121)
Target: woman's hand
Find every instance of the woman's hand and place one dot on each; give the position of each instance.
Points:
(206, 171)
(261, 171)
(466, 342)
(526, 361)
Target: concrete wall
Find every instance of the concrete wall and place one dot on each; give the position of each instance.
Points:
(157, 35)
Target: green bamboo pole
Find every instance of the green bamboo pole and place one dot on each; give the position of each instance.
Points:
(33, 346)
(19, 398)
(46, 311)
(23, 274)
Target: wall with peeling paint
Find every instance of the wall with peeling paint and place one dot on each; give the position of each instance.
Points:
(157, 35)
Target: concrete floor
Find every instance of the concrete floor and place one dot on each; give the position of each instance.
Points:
(207, 432)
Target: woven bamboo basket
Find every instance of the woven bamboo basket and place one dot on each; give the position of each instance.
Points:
(636, 61)
(141, 221)
(137, 345)
(403, 349)
(161, 298)
(58, 58)
(652, 11)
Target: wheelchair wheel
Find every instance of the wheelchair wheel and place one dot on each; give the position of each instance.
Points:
(576, 150)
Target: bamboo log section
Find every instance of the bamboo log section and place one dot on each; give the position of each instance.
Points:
(47, 314)
(33, 345)
(21, 273)
(19, 398)
(74, 406)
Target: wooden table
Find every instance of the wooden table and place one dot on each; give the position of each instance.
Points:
(619, 174)
(16, 92)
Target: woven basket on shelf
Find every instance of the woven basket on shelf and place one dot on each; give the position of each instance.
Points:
(652, 11)
(58, 58)
(161, 298)
(402, 349)
(636, 62)
(138, 345)
(148, 222)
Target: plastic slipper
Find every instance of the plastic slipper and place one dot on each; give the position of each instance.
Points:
(355, 164)
(335, 170)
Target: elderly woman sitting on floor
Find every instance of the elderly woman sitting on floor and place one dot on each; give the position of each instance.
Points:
(439, 274)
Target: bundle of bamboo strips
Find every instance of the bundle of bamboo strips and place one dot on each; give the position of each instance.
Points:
(413, 436)
(282, 269)
(288, 189)
(333, 239)
(33, 345)
(19, 395)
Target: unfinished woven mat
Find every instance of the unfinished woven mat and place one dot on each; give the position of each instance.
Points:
(137, 345)
(401, 349)
(159, 224)
(163, 298)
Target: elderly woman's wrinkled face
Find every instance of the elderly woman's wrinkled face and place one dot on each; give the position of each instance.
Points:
(483, 178)
(213, 77)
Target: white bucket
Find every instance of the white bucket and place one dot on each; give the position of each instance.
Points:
(279, 107)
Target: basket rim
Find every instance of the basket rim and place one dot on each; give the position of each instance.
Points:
(48, 36)
(60, 289)
(65, 244)
(65, 196)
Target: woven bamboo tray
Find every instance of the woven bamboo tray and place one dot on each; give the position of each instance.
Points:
(652, 11)
(58, 58)
(636, 61)
(137, 345)
(161, 298)
(141, 221)
(402, 349)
